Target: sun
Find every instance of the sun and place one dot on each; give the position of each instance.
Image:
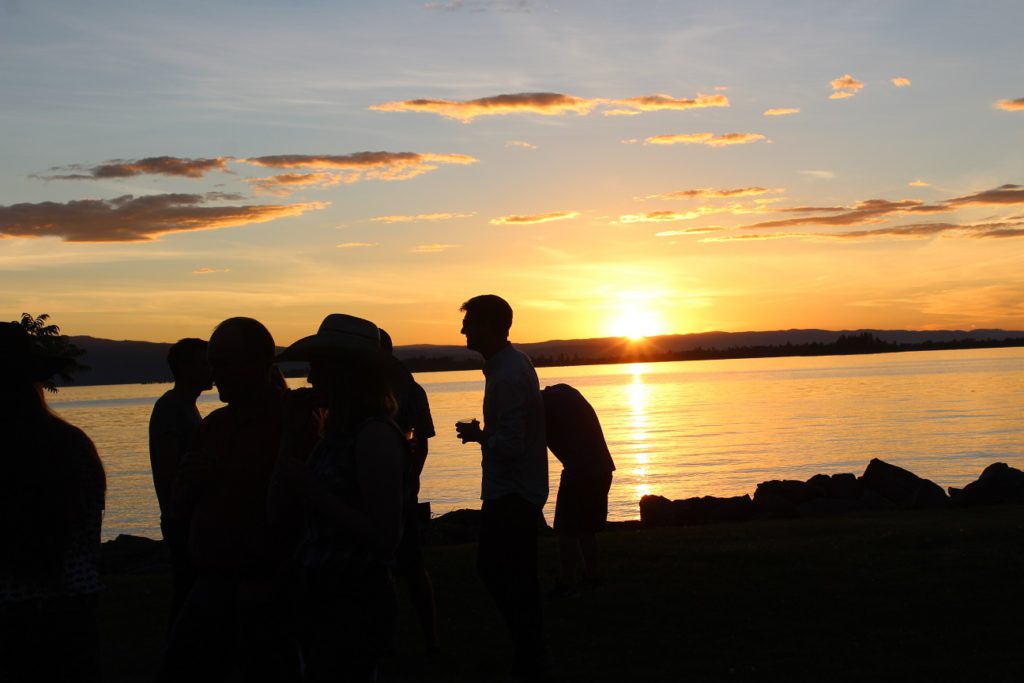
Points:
(636, 324)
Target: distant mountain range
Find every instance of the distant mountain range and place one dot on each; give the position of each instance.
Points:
(132, 362)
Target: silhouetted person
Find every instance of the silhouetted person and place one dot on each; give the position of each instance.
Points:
(52, 490)
(352, 489)
(173, 425)
(575, 437)
(234, 617)
(414, 419)
(515, 476)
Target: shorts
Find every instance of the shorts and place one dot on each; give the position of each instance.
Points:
(582, 503)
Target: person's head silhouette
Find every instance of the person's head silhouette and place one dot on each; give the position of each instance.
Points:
(487, 321)
(241, 352)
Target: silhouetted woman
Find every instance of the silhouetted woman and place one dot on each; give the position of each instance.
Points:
(352, 488)
(52, 489)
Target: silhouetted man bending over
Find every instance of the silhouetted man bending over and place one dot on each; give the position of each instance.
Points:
(515, 476)
(172, 430)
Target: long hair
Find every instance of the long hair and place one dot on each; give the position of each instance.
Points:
(52, 482)
(362, 390)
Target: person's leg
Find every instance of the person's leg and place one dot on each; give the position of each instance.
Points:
(175, 535)
(421, 592)
(201, 644)
(507, 562)
(569, 559)
(591, 558)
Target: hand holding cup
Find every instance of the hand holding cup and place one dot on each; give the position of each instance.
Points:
(469, 430)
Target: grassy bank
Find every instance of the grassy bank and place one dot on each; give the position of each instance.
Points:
(923, 595)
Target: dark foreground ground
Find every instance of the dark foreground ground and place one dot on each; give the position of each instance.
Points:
(908, 596)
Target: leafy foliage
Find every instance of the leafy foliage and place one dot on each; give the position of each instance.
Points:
(47, 337)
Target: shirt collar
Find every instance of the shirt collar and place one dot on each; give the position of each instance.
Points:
(492, 363)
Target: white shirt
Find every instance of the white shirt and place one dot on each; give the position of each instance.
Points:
(515, 453)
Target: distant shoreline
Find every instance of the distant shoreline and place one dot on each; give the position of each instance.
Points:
(855, 347)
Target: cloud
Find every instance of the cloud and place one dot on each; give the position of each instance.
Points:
(841, 95)
(550, 104)
(134, 219)
(432, 248)
(707, 193)
(121, 168)
(868, 211)
(1002, 195)
(420, 217)
(688, 231)
(662, 102)
(845, 86)
(364, 165)
(1010, 105)
(781, 111)
(709, 139)
(918, 183)
(479, 5)
(659, 216)
(536, 218)
(544, 103)
(823, 175)
(913, 231)
(901, 82)
(520, 144)
(282, 185)
(355, 245)
(208, 271)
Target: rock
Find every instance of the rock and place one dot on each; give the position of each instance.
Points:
(660, 511)
(655, 511)
(781, 497)
(900, 486)
(129, 554)
(457, 526)
(999, 483)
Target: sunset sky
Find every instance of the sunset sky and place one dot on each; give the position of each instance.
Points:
(610, 168)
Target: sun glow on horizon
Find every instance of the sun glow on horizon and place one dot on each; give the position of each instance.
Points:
(635, 319)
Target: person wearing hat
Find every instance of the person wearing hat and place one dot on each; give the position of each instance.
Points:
(52, 494)
(351, 487)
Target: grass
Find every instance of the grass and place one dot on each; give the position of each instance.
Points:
(925, 595)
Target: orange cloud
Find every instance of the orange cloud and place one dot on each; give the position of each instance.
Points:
(918, 183)
(421, 217)
(550, 104)
(1010, 105)
(355, 245)
(663, 102)
(706, 193)
(208, 271)
(1004, 194)
(282, 185)
(781, 111)
(869, 211)
(544, 103)
(823, 175)
(134, 219)
(659, 216)
(520, 144)
(914, 231)
(536, 218)
(845, 86)
(709, 139)
(432, 248)
(901, 82)
(121, 168)
(688, 231)
(365, 165)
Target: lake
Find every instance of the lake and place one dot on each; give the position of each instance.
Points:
(675, 429)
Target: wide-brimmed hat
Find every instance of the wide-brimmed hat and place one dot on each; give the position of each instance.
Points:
(339, 335)
(19, 356)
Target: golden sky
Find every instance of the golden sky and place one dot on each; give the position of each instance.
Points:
(610, 170)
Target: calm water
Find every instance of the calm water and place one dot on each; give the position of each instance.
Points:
(675, 429)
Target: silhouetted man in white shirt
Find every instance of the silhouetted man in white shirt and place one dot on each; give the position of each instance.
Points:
(515, 476)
